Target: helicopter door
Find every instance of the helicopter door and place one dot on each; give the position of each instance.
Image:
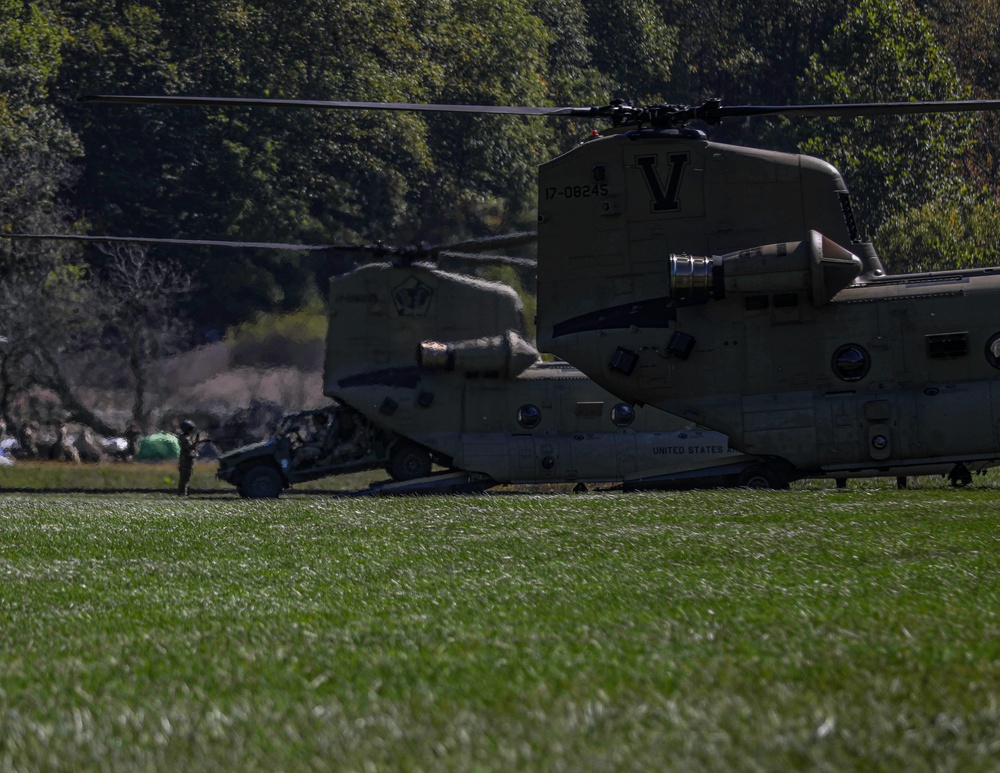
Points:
(523, 463)
(837, 427)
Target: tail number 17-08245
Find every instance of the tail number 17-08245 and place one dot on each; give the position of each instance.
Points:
(576, 191)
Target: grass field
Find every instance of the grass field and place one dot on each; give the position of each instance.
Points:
(812, 629)
(143, 477)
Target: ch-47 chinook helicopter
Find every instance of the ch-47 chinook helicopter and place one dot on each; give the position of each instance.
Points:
(730, 285)
(443, 360)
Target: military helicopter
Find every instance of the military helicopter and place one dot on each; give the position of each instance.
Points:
(730, 285)
(470, 389)
(430, 383)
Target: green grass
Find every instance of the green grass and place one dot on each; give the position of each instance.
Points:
(811, 629)
(161, 477)
(34, 477)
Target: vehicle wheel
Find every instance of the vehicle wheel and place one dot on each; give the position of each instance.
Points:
(408, 461)
(761, 476)
(960, 476)
(261, 481)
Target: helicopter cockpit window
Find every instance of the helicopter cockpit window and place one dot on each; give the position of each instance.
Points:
(851, 362)
(622, 415)
(528, 416)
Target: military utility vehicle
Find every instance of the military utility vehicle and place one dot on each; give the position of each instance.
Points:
(315, 444)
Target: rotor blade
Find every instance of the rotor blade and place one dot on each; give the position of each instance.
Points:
(620, 112)
(862, 108)
(377, 249)
(579, 112)
(490, 242)
(191, 242)
(486, 260)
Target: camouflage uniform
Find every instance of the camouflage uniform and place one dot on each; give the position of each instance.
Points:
(189, 441)
(313, 442)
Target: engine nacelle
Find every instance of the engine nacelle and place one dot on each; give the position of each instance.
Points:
(816, 265)
(502, 356)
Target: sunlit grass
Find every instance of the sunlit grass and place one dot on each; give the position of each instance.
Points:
(812, 629)
(161, 477)
(146, 476)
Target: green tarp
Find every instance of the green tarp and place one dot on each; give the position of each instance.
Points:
(159, 445)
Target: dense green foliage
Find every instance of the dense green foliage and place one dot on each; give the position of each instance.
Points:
(877, 155)
(729, 630)
(286, 175)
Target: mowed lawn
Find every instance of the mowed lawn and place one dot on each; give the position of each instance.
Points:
(724, 630)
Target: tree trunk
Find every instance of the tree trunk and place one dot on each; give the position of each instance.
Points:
(77, 411)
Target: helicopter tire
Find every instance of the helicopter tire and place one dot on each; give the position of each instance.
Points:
(761, 476)
(960, 476)
(408, 461)
(262, 481)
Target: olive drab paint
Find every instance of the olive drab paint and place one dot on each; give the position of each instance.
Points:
(729, 286)
(443, 359)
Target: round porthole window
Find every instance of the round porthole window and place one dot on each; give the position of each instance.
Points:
(528, 416)
(993, 350)
(622, 415)
(851, 362)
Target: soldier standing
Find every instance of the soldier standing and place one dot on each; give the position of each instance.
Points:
(189, 442)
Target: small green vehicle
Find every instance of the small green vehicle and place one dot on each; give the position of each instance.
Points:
(314, 444)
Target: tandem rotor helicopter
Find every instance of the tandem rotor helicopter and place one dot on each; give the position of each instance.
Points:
(730, 286)
(443, 360)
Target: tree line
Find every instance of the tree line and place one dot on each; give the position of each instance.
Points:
(925, 187)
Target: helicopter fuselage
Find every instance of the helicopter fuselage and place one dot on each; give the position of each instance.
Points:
(795, 344)
(888, 375)
(440, 358)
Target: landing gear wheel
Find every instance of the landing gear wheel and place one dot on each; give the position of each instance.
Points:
(761, 476)
(408, 461)
(960, 476)
(261, 482)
